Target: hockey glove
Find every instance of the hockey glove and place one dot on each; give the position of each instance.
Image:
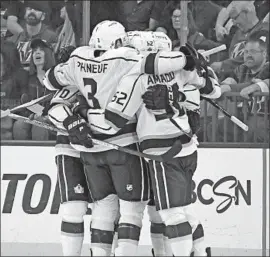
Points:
(78, 130)
(160, 97)
(191, 63)
(64, 54)
(199, 61)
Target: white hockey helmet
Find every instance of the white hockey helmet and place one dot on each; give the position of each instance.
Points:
(149, 41)
(108, 35)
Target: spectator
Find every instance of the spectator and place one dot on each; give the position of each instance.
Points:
(261, 8)
(14, 15)
(74, 12)
(141, 15)
(34, 27)
(14, 80)
(66, 35)
(15, 12)
(250, 77)
(245, 18)
(42, 59)
(205, 14)
(3, 25)
(172, 28)
(54, 19)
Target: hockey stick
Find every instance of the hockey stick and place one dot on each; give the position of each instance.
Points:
(161, 158)
(214, 50)
(25, 105)
(232, 117)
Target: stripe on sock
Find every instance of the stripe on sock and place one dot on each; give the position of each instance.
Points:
(128, 231)
(157, 228)
(72, 228)
(101, 236)
(179, 230)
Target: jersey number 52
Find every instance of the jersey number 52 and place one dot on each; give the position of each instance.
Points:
(119, 97)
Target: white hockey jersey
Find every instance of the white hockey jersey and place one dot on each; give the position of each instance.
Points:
(64, 96)
(156, 135)
(97, 79)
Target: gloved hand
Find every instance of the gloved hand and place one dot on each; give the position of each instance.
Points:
(78, 130)
(64, 54)
(200, 62)
(160, 97)
(191, 64)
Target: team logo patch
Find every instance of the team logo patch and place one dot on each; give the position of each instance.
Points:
(78, 189)
(129, 187)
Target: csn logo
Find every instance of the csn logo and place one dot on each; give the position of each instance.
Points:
(223, 193)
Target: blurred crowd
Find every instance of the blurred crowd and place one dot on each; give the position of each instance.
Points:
(35, 34)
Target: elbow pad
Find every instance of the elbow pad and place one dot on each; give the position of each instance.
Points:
(58, 113)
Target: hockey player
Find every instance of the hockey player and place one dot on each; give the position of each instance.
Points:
(74, 193)
(192, 106)
(96, 72)
(157, 131)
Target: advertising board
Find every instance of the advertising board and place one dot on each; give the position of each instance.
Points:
(227, 196)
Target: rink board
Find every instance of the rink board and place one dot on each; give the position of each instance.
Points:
(228, 186)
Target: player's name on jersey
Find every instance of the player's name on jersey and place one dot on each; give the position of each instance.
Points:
(92, 68)
(154, 79)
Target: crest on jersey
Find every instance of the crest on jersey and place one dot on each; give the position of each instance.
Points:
(238, 49)
(79, 189)
(25, 51)
(129, 187)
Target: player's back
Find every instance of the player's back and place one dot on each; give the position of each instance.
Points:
(164, 129)
(156, 133)
(97, 77)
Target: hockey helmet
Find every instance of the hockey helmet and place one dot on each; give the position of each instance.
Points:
(108, 35)
(149, 41)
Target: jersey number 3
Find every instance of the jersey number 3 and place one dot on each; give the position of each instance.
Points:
(91, 95)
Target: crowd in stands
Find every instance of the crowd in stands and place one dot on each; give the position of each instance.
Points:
(33, 34)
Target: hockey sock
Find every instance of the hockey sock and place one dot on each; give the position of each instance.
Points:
(115, 239)
(168, 249)
(72, 235)
(128, 239)
(129, 230)
(157, 230)
(180, 238)
(101, 242)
